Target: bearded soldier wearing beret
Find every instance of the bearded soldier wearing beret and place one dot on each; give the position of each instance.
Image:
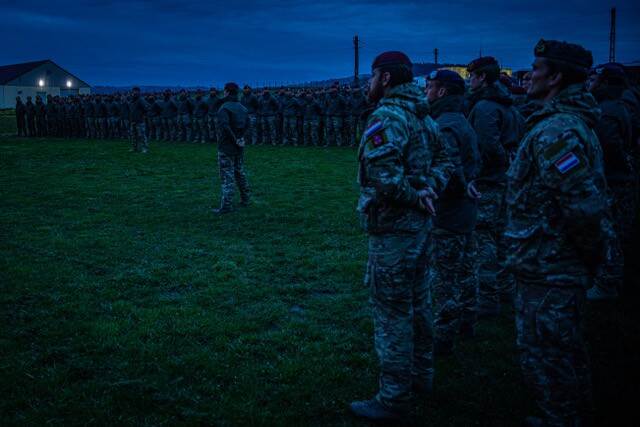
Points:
(499, 127)
(454, 275)
(402, 166)
(559, 232)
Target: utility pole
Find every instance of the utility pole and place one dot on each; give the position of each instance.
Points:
(612, 36)
(435, 56)
(356, 64)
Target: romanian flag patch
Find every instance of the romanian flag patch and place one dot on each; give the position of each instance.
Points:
(567, 162)
(373, 128)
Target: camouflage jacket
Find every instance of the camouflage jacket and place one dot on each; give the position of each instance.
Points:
(401, 152)
(499, 127)
(169, 109)
(233, 121)
(250, 102)
(615, 132)
(455, 210)
(138, 110)
(268, 106)
(200, 109)
(335, 105)
(558, 221)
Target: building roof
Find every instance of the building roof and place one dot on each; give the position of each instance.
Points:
(12, 72)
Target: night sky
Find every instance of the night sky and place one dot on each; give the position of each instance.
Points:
(193, 43)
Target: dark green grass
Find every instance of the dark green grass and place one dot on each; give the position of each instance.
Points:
(124, 301)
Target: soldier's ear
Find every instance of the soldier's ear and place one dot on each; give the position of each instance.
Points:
(385, 78)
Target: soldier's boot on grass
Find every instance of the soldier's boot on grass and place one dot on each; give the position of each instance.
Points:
(375, 411)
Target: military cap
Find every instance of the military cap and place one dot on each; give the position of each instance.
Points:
(570, 53)
(447, 77)
(135, 89)
(482, 63)
(391, 58)
(610, 70)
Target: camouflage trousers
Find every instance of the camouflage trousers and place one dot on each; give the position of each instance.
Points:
(251, 134)
(625, 209)
(51, 127)
(454, 283)
(41, 126)
(184, 127)
(114, 127)
(268, 130)
(232, 174)
(350, 130)
(312, 132)
(496, 282)
(90, 127)
(553, 356)
(125, 128)
(169, 128)
(290, 130)
(212, 125)
(333, 132)
(139, 137)
(401, 302)
(103, 127)
(200, 130)
(31, 126)
(155, 128)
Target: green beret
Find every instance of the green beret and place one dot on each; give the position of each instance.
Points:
(482, 63)
(565, 52)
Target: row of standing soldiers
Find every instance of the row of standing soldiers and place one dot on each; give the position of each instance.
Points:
(317, 117)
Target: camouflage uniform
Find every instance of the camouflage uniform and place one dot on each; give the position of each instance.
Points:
(41, 118)
(250, 102)
(169, 123)
(185, 110)
(114, 119)
(400, 153)
(234, 121)
(125, 123)
(558, 232)
(454, 276)
(213, 104)
(312, 115)
(101, 117)
(21, 122)
(30, 111)
(358, 106)
(290, 111)
(200, 110)
(334, 110)
(52, 111)
(155, 120)
(615, 133)
(268, 109)
(499, 127)
(138, 108)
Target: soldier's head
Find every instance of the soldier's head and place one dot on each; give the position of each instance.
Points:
(557, 65)
(28, 99)
(441, 83)
(246, 90)
(199, 95)
(483, 71)
(167, 94)
(38, 98)
(213, 92)
(606, 75)
(135, 92)
(231, 90)
(266, 93)
(389, 69)
(18, 99)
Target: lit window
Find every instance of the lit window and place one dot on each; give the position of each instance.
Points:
(68, 83)
(40, 82)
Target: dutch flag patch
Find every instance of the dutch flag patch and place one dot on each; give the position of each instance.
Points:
(567, 162)
(375, 127)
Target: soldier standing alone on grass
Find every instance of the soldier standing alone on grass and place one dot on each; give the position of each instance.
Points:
(403, 164)
(233, 122)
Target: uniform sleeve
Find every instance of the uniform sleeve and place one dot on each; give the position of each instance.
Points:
(565, 168)
(442, 166)
(384, 167)
(449, 139)
(224, 121)
(487, 124)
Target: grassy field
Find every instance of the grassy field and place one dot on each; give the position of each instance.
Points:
(124, 301)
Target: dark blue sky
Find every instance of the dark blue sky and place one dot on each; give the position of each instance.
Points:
(203, 42)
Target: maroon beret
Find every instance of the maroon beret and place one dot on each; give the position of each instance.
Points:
(231, 86)
(391, 58)
(483, 61)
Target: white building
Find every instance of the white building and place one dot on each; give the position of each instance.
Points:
(37, 78)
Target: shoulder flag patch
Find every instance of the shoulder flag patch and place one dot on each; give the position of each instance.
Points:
(567, 162)
(374, 127)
